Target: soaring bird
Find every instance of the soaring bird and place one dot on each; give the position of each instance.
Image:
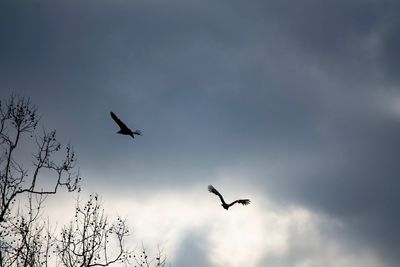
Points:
(211, 189)
(123, 128)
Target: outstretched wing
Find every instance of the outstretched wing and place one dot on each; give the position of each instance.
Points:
(241, 201)
(138, 132)
(211, 189)
(118, 121)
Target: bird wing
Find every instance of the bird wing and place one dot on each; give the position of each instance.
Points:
(138, 132)
(241, 201)
(118, 121)
(211, 189)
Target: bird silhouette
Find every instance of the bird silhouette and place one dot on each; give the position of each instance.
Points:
(123, 128)
(211, 189)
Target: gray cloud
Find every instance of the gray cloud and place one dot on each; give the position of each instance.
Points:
(193, 252)
(268, 84)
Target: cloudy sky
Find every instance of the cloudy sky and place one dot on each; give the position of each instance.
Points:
(293, 104)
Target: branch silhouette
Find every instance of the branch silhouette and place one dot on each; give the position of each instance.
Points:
(18, 118)
(24, 237)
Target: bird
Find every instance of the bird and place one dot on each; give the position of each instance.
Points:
(211, 189)
(123, 128)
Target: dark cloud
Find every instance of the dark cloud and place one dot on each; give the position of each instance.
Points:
(212, 84)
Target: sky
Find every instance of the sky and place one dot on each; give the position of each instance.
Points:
(292, 104)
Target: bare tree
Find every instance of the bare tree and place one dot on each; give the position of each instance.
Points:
(141, 259)
(90, 240)
(18, 117)
(27, 240)
(18, 184)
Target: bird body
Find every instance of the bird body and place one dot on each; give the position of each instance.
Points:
(226, 206)
(123, 128)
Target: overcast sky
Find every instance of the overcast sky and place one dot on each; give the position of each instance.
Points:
(293, 104)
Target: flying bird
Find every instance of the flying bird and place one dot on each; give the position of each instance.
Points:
(211, 189)
(123, 128)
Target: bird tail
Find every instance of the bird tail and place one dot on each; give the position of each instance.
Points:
(138, 132)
